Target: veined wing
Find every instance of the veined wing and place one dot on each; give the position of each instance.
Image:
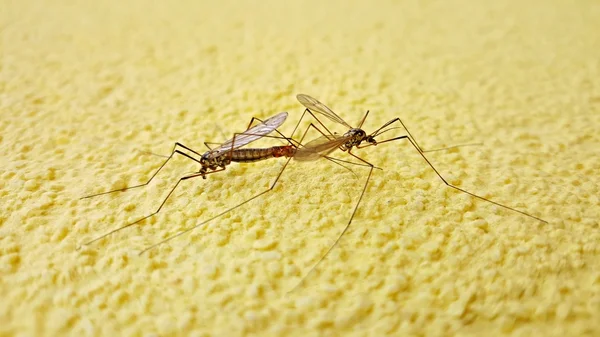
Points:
(319, 147)
(316, 106)
(252, 134)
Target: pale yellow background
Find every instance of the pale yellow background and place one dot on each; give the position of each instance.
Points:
(85, 85)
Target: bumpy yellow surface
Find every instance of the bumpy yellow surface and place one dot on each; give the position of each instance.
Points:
(87, 87)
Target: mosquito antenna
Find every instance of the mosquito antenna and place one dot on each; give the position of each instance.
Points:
(152, 153)
(453, 147)
(377, 133)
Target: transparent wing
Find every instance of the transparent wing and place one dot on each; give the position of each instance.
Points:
(252, 134)
(316, 106)
(319, 147)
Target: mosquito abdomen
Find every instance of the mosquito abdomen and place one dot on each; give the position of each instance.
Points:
(252, 155)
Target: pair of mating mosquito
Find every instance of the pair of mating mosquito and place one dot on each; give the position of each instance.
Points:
(217, 159)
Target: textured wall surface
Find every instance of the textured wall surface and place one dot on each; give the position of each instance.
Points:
(87, 89)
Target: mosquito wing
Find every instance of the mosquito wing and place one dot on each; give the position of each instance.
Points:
(319, 147)
(252, 134)
(316, 106)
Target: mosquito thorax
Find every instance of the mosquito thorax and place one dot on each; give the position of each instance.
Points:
(355, 137)
(356, 133)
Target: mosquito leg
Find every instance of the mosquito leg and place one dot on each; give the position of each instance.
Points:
(155, 212)
(187, 148)
(362, 193)
(422, 153)
(281, 136)
(252, 121)
(337, 160)
(208, 144)
(173, 152)
(363, 120)
(413, 140)
(413, 143)
(318, 121)
(340, 161)
(298, 124)
(467, 192)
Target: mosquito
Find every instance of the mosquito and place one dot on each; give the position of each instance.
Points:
(256, 154)
(356, 137)
(217, 159)
(313, 150)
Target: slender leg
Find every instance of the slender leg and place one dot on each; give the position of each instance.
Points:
(469, 193)
(363, 120)
(319, 121)
(362, 193)
(422, 153)
(208, 145)
(414, 143)
(173, 152)
(281, 136)
(252, 121)
(155, 212)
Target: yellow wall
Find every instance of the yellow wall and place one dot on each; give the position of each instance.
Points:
(85, 87)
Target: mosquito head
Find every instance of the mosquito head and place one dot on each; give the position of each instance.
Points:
(205, 159)
(371, 139)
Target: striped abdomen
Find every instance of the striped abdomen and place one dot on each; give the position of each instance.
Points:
(251, 155)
